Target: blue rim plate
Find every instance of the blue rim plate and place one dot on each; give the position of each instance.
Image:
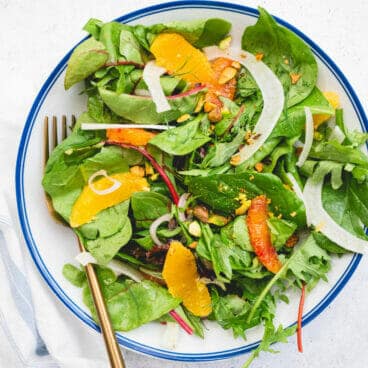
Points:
(22, 212)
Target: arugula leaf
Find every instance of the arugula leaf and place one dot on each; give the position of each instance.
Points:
(142, 110)
(281, 230)
(181, 140)
(270, 336)
(86, 58)
(230, 311)
(147, 207)
(221, 193)
(278, 44)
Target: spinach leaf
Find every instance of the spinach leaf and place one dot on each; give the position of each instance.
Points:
(130, 304)
(200, 33)
(129, 47)
(219, 153)
(113, 229)
(147, 207)
(142, 110)
(292, 121)
(181, 140)
(86, 58)
(74, 275)
(221, 193)
(270, 336)
(107, 222)
(285, 53)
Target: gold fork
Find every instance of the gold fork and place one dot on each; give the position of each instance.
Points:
(112, 347)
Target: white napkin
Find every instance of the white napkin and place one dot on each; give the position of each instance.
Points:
(37, 327)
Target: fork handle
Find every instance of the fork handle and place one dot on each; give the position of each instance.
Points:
(112, 347)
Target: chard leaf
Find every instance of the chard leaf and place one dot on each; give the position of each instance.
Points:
(129, 46)
(181, 140)
(86, 58)
(278, 44)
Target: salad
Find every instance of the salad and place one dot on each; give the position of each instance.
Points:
(208, 176)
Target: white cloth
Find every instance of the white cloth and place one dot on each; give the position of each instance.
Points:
(35, 35)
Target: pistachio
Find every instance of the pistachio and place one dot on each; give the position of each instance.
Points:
(227, 74)
(195, 229)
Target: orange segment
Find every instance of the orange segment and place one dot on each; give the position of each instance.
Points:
(137, 137)
(334, 100)
(174, 53)
(89, 203)
(182, 279)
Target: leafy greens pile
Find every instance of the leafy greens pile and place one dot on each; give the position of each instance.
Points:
(196, 156)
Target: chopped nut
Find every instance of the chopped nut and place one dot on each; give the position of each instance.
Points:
(259, 56)
(236, 65)
(218, 220)
(137, 170)
(195, 229)
(193, 245)
(320, 226)
(287, 186)
(235, 160)
(271, 214)
(243, 56)
(148, 168)
(294, 77)
(259, 166)
(292, 241)
(201, 213)
(154, 177)
(279, 216)
(293, 214)
(269, 200)
(244, 204)
(227, 74)
(248, 134)
(209, 106)
(286, 61)
(250, 141)
(225, 43)
(200, 104)
(183, 118)
(251, 177)
(215, 115)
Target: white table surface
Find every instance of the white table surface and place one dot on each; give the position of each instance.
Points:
(36, 34)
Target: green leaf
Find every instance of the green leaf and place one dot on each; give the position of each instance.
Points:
(147, 207)
(110, 37)
(104, 249)
(181, 140)
(129, 46)
(93, 26)
(270, 336)
(219, 153)
(281, 230)
(74, 275)
(230, 311)
(86, 58)
(327, 244)
(142, 110)
(130, 304)
(107, 222)
(278, 44)
(201, 33)
(221, 193)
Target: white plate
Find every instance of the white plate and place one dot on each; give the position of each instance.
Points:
(53, 245)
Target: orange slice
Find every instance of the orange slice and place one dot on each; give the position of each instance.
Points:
(334, 100)
(137, 137)
(89, 203)
(182, 279)
(174, 53)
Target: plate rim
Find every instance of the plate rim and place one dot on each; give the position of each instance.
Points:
(22, 212)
